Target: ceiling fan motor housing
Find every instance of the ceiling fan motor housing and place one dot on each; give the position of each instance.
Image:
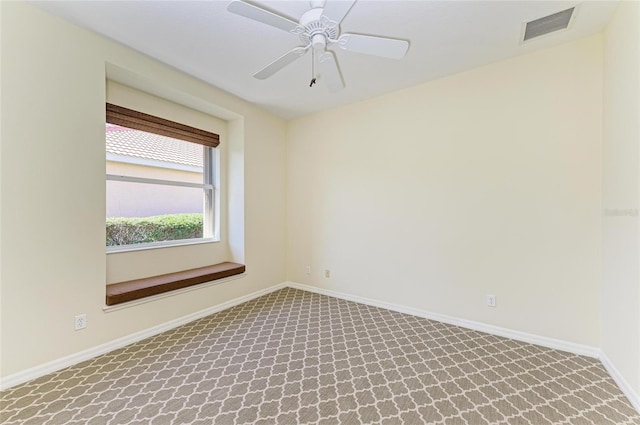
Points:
(316, 30)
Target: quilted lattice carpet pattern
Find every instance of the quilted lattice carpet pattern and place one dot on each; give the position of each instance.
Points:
(294, 357)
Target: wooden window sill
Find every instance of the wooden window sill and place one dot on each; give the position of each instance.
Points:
(122, 292)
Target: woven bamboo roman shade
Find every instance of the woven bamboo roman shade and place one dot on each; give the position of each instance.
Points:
(144, 122)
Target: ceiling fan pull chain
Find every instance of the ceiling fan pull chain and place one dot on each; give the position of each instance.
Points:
(313, 68)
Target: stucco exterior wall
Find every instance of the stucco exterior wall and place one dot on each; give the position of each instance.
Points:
(127, 199)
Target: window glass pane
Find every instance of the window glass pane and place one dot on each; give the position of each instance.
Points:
(142, 213)
(144, 204)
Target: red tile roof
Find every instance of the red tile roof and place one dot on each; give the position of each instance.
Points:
(140, 144)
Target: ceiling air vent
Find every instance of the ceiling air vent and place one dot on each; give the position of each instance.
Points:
(547, 24)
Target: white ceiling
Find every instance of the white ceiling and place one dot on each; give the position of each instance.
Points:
(203, 39)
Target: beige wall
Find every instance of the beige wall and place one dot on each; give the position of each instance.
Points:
(621, 169)
(485, 182)
(53, 192)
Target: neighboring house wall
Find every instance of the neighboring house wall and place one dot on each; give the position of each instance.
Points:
(125, 199)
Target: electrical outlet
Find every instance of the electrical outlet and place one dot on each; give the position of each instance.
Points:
(80, 321)
(308, 269)
(327, 273)
(491, 300)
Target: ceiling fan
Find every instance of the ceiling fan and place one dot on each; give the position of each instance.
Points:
(318, 29)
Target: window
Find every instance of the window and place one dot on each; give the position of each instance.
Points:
(160, 181)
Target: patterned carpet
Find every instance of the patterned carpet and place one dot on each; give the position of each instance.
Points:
(294, 357)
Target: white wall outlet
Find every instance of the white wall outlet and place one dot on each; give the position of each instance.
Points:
(491, 300)
(327, 273)
(80, 321)
(308, 270)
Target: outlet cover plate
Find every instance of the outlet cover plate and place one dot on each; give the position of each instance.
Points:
(80, 321)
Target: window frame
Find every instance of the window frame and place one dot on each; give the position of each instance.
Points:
(210, 231)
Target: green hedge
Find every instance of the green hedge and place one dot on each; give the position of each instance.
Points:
(133, 230)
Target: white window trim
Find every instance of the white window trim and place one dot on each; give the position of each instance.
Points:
(131, 179)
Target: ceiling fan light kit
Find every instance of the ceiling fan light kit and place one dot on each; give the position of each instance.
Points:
(318, 29)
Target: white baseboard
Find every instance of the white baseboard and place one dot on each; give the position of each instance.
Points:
(55, 365)
(632, 395)
(584, 350)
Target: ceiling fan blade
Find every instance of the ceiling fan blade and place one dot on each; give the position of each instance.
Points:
(280, 63)
(330, 72)
(259, 14)
(336, 10)
(377, 46)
